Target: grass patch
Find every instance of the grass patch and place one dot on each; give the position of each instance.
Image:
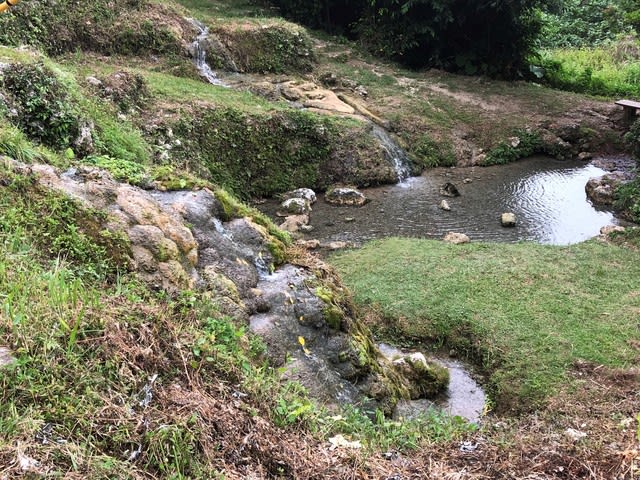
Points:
(526, 312)
(610, 70)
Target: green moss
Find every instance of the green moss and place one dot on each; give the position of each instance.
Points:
(429, 153)
(274, 48)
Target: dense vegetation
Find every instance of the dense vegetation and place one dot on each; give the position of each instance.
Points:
(466, 36)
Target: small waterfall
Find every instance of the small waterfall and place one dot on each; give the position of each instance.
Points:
(396, 155)
(200, 54)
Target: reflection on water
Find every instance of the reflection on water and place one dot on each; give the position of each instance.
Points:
(547, 196)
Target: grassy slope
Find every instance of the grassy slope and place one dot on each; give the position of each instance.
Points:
(527, 312)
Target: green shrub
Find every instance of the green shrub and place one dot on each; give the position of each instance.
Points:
(45, 111)
(524, 144)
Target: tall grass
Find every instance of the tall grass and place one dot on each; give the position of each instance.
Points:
(612, 70)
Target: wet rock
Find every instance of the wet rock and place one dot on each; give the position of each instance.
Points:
(456, 238)
(508, 219)
(467, 181)
(584, 156)
(444, 205)
(345, 196)
(449, 190)
(304, 193)
(295, 206)
(306, 228)
(83, 143)
(426, 378)
(601, 191)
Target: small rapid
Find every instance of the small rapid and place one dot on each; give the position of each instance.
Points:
(393, 152)
(200, 54)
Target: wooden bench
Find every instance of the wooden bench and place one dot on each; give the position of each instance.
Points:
(629, 109)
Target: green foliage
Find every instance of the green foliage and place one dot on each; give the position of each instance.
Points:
(431, 154)
(66, 26)
(460, 36)
(44, 110)
(524, 312)
(611, 70)
(382, 433)
(273, 48)
(580, 24)
(122, 170)
(14, 144)
(523, 144)
(632, 138)
(60, 226)
(257, 156)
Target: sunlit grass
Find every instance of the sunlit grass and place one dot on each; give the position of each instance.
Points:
(525, 312)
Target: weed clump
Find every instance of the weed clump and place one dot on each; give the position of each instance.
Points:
(42, 104)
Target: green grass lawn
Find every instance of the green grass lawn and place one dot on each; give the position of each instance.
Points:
(524, 312)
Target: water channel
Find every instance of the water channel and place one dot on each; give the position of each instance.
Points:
(547, 196)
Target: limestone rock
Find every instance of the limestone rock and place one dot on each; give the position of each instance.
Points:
(449, 190)
(508, 219)
(293, 223)
(425, 378)
(601, 191)
(345, 196)
(609, 229)
(444, 205)
(295, 206)
(456, 238)
(304, 193)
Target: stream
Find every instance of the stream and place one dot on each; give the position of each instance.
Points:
(547, 196)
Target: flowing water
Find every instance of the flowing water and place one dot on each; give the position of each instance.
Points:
(200, 54)
(547, 196)
(396, 155)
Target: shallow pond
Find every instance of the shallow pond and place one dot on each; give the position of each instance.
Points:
(547, 196)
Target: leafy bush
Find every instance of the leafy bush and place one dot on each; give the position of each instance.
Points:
(524, 144)
(65, 25)
(42, 104)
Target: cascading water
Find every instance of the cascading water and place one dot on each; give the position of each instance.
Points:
(396, 155)
(200, 54)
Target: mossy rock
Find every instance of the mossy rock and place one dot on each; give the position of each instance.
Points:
(274, 47)
(425, 378)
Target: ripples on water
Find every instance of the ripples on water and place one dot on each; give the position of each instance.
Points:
(547, 196)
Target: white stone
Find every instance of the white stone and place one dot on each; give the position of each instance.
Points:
(456, 238)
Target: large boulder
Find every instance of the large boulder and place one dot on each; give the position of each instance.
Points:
(601, 191)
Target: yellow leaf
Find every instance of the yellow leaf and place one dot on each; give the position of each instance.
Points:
(301, 341)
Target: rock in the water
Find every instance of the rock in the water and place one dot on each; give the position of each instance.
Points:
(584, 156)
(295, 206)
(508, 219)
(456, 238)
(601, 190)
(426, 378)
(345, 196)
(304, 193)
(444, 205)
(449, 190)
